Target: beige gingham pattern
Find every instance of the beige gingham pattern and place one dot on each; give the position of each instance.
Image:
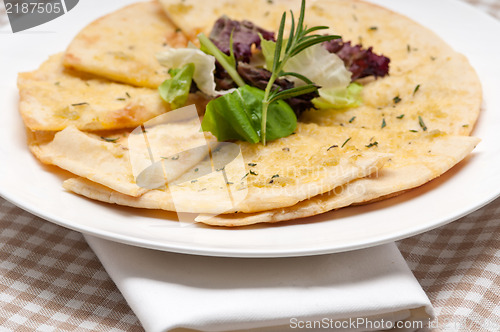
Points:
(458, 266)
(50, 280)
(490, 6)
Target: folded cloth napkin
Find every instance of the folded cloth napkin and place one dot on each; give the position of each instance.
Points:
(364, 290)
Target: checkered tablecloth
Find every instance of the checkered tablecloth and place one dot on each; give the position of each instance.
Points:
(50, 280)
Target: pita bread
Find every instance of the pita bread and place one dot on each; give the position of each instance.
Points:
(107, 160)
(281, 174)
(90, 156)
(121, 46)
(417, 159)
(52, 98)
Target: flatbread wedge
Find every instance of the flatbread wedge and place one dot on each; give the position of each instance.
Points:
(121, 46)
(106, 159)
(417, 159)
(52, 98)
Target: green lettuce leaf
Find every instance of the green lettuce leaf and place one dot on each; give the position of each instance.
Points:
(339, 98)
(175, 90)
(238, 115)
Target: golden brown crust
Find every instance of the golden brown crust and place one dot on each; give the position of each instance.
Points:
(121, 46)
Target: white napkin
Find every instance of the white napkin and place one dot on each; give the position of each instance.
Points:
(169, 291)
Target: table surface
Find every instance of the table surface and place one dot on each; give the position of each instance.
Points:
(51, 280)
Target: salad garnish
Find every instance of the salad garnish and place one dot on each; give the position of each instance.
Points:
(260, 83)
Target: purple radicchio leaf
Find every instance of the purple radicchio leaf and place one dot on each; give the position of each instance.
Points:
(359, 61)
(245, 34)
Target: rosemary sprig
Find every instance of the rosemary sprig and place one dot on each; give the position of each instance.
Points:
(300, 38)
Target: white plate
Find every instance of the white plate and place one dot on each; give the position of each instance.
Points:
(467, 187)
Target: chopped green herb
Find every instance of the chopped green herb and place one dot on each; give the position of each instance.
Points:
(128, 94)
(57, 83)
(352, 119)
(372, 144)
(285, 149)
(373, 28)
(408, 48)
(193, 181)
(347, 140)
(416, 89)
(120, 99)
(396, 99)
(421, 123)
(253, 173)
(331, 147)
(80, 104)
(383, 124)
(196, 169)
(111, 140)
(414, 131)
(400, 116)
(229, 182)
(273, 177)
(465, 125)
(175, 157)
(252, 164)
(244, 176)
